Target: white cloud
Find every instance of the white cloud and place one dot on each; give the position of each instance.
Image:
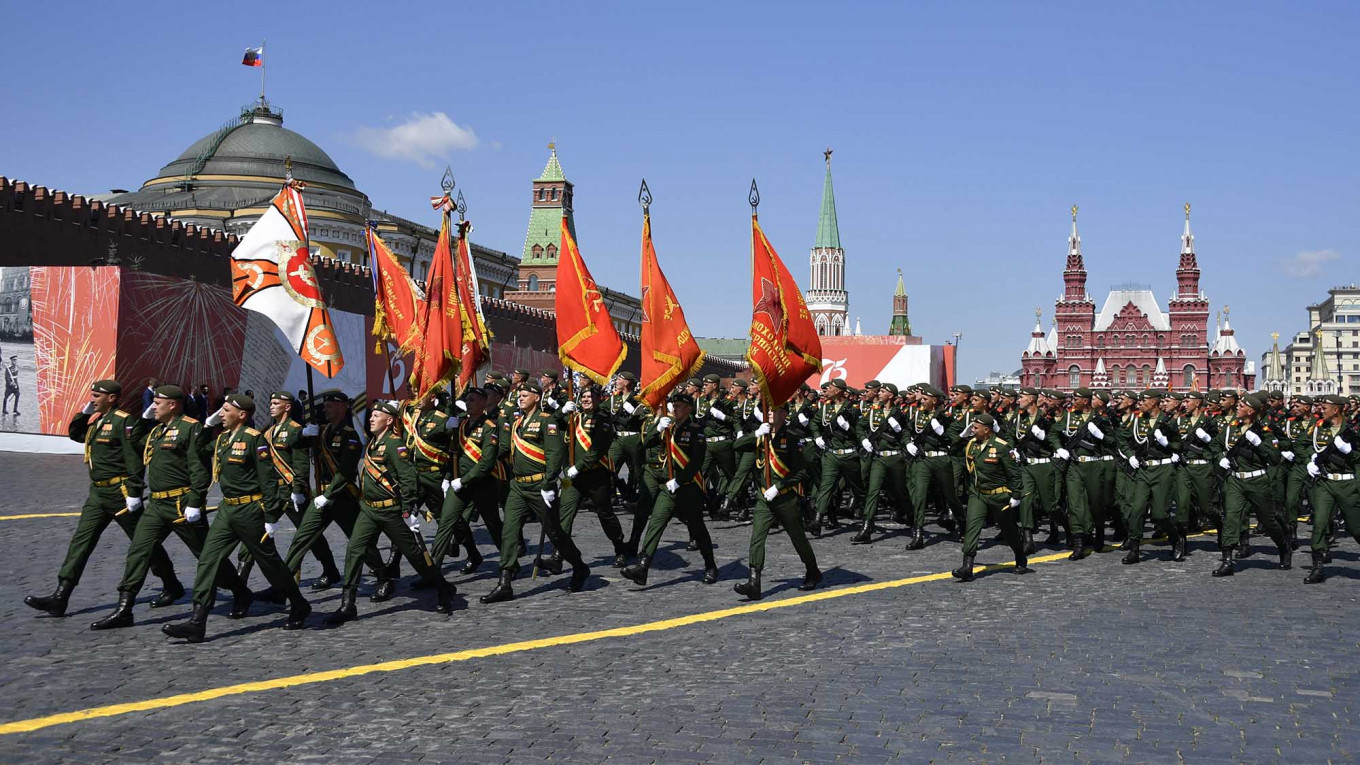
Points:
(422, 139)
(1308, 262)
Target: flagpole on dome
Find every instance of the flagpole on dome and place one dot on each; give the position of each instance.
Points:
(263, 66)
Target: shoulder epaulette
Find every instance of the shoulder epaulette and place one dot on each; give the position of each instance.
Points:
(1003, 442)
(190, 420)
(252, 432)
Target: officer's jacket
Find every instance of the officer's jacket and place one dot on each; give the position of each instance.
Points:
(112, 446)
(1030, 446)
(1073, 431)
(242, 466)
(478, 447)
(591, 435)
(288, 453)
(427, 439)
(536, 446)
(339, 451)
(175, 457)
(387, 472)
(991, 467)
(743, 412)
(959, 431)
(1320, 436)
(880, 433)
(677, 452)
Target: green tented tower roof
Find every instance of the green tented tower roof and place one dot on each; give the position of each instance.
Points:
(828, 233)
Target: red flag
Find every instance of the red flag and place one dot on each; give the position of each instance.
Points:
(669, 351)
(586, 338)
(785, 349)
(476, 347)
(437, 356)
(398, 303)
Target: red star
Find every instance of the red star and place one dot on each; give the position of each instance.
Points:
(769, 303)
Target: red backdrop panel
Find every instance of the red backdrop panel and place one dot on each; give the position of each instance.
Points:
(178, 331)
(74, 337)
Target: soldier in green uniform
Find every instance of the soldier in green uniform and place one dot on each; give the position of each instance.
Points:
(590, 475)
(178, 477)
(779, 465)
(1080, 433)
(113, 457)
(1151, 441)
(288, 452)
(1248, 448)
(747, 417)
(537, 448)
(1197, 482)
(834, 431)
(471, 489)
(1031, 432)
(882, 442)
(932, 477)
(252, 502)
(1332, 464)
(715, 415)
(388, 496)
(626, 412)
(428, 430)
(555, 400)
(802, 412)
(1293, 432)
(961, 411)
(677, 444)
(992, 479)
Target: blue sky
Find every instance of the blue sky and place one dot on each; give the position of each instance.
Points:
(963, 133)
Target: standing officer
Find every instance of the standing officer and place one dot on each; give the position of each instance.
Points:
(536, 448)
(178, 479)
(252, 502)
(1249, 447)
(679, 451)
(590, 475)
(931, 474)
(1152, 442)
(779, 464)
(834, 431)
(882, 443)
(388, 496)
(715, 415)
(472, 486)
(1332, 463)
(992, 478)
(113, 457)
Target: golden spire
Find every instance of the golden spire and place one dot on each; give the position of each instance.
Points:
(1187, 211)
(1074, 213)
(552, 144)
(1275, 336)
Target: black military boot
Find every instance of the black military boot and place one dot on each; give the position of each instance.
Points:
(1054, 535)
(393, 566)
(964, 573)
(473, 562)
(193, 630)
(1225, 566)
(866, 532)
(620, 553)
(1079, 550)
(171, 591)
(1286, 553)
(552, 564)
(918, 539)
(1178, 545)
(502, 592)
(1021, 564)
(579, 573)
(1317, 575)
(346, 612)
(271, 594)
(637, 573)
(327, 580)
(54, 604)
(297, 615)
(750, 588)
(387, 587)
(121, 616)
(1134, 554)
(1027, 537)
(815, 527)
(1243, 549)
(710, 572)
(444, 596)
(811, 579)
(240, 602)
(463, 533)
(1098, 541)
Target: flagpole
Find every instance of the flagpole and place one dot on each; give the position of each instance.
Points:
(754, 199)
(311, 394)
(373, 269)
(263, 64)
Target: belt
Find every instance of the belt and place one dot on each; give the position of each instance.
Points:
(1084, 458)
(1038, 460)
(382, 503)
(118, 479)
(430, 469)
(626, 433)
(1340, 476)
(535, 478)
(842, 452)
(1154, 463)
(889, 453)
(936, 454)
(245, 500)
(992, 492)
(1249, 473)
(1197, 462)
(170, 494)
(712, 439)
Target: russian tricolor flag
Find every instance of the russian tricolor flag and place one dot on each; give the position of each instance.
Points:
(254, 57)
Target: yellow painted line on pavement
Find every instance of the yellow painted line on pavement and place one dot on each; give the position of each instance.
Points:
(292, 681)
(37, 515)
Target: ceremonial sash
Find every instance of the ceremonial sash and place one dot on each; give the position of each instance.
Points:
(281, 465)
(428, 450)
(777, 465)
(583, 437)
(375, 471)
(518, 444)
(471, 449)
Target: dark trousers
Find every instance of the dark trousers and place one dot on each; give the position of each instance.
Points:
(595, 488)
(243, 524)
(102, 506)
(363, 543)
(160, 518)
(460, 510)
(522, 500)
(784, 508)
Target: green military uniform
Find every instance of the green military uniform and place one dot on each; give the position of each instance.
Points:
(1294, 435)
(715, 417)
(1039, 474)
(1247, 449)
(1082, 434)
(629, 415)
(932, 476)
(779, 462)
(801, 416)
(590, 476)
(474, 489)
(1198, 476)
(992, 478)
(834, 431)
(882, 429)
(1332, 462)
(428, 439)
(957, 435)
(744, 412)
(1153, 481)
(113, 459)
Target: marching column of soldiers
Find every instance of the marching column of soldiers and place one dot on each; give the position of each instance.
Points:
(1087, 465)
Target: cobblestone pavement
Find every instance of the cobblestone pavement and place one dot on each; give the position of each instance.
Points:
(1077, 662)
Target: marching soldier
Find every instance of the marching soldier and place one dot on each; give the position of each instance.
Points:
(931, 474)
(630, 414)
(471, 487)
(388, 498)
(555, 400)
(178, 479)
(1031, 431)
(590, 475)
(882, 443)
(252, 502)
(747, 417)
(964, 404)
(715, 415)
(679, 448)
(1294, 433)
(1249, 447)
(113, 457)
(429, 431)
(992, 478)
(536, 447)
(834, 432)
(1081, 431)
(779, 463)
(1333, 462)
(1195, 489)
(1152, 442)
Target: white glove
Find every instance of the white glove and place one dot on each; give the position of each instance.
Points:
(1063, 454)
(868, 447)
(938, 428)
(670, 408)
(1288, 455)
(214, 419)
(802, 419)
(311, 430)
(569, 407)
(911, 448)
(1095, 431)
(192, 514)
(629, 408)
(1134, 463)
(717, 413)
(740, 433)
(756, 413)
(456, 484)
(1015, 455)
(1253, 438)
(840, 420)
(1342, 445)
(550, 403)
(412, 521)
(1202, 435)
(269, 528)
(452, 422)
(1161, 438)
(461, 404)
(321, 501)
(1175, 458)
(662, 424)
(1014, 503)
(133, 504)
(672, 486)
(763, 430)
(894, 424)
(89, 408)
(149, 413)
(572, 472)
(1225, 464)
(299, 501)
(444, 486)
(1314, 470)
(548, 496)
(820, 443)
(1038, 432)
(771, 493)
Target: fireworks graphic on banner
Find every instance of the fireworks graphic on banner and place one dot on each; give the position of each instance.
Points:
(180, 331)
(75, 327)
